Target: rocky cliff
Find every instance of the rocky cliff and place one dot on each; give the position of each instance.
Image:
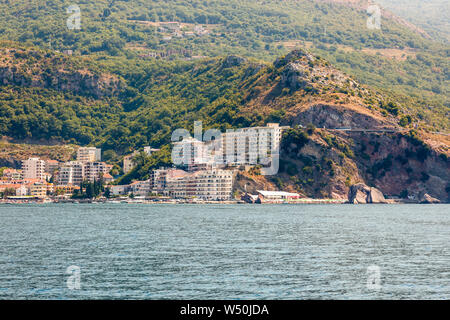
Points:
(29, 68)
(358, 137)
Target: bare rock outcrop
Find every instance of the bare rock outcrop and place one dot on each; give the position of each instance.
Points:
(361, 194)
(376, 196)
(233, 61)
(293, 77)
(427, 199)
(324, 115)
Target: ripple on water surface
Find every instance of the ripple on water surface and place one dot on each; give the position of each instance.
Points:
(224, 251)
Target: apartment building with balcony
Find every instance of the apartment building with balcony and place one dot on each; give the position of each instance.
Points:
(214, 184)
(71, 173)
(39, 189)
(74, 172)
(89, 154)
(140, 188)
(251, 146)
(33, 168)
(94, 170)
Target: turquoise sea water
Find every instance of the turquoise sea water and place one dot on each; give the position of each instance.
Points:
(224, 251)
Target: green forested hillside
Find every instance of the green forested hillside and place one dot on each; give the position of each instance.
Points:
(153, 98)
(123, 104)
(395, 58)
(107, 25)
(131, 81)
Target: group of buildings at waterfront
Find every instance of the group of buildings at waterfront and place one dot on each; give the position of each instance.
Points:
(204, 169)
(39, 178)
(239, 148)
(209, 164)
(213, 184)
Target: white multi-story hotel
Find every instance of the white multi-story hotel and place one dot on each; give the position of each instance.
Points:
(89, 154)
(33, 168)
(191, 153)
(240, 147)
(74, 172)
(71, 173)
(94, 170)
(212, 184)
(251, 146)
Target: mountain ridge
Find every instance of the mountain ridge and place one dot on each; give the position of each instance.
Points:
(125, 83)
(232, 92)
(262, 30)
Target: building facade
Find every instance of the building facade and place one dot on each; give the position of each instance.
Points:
(190, 153)
(51, 166)
(140, 188)
(128, 163)
(71, 173)
(94, 170)
(38, 190)
(214, 184)
(89, 154)
(74, 172)
(33, 168)
(241, 147)
(12, 174)
(251, 146)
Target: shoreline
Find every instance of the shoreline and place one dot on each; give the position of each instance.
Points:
(180, 202)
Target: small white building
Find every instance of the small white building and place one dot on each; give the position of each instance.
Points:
(22, 191)
(276, 196)
(119, 190)
(141, 188)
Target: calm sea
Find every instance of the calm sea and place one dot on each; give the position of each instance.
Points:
(225, 251)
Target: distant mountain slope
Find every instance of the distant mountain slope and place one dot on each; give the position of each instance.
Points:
(431, 15)
(151, 99)
(122, 104)
(396, 57)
